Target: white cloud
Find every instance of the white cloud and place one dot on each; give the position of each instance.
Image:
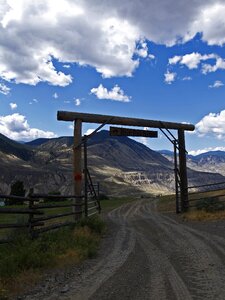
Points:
(142, 49)
(89, 131)
(151, 56)
(187, 78)
(13, 105)
(116, 93)
(77, 102)
(66, 66)
(102, 34)
(195, 60)
(16, 127)
(169, 77)
(4, 89)
(55, 96)
(216, 84)
(212, 124)
(33, 101)
(200, 151)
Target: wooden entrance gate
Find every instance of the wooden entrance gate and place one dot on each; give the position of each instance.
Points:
(181, 182)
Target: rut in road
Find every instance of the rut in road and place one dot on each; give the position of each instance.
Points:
(183, 262)
(151, 256)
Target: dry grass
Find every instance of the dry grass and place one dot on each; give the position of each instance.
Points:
(23, 263)
(15, 286)
(166, 203)
(202, 215)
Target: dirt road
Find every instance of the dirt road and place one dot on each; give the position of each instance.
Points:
(149, 255)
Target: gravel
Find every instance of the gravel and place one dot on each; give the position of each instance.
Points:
(145, 255)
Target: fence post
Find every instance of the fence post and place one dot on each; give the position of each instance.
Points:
(77, 163)
(31, 219)
(183, 171)
(85, 179)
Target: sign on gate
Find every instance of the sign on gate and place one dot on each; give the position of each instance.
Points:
(119, 131)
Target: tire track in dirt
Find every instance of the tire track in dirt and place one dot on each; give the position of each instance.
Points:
(152, 256)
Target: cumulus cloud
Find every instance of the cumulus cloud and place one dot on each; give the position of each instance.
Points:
(142, 49)
(16, 127)
(195, 60)
(4, 89)
(216, 84)
(116, 93)
(212, 124)
(13, 105)
(107, 35)
(169, 77)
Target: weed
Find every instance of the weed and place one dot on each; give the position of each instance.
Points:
(63, 246)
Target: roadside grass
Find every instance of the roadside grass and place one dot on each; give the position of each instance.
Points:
(24, 260)
(166, 203)
(209, 208)
(202, 215)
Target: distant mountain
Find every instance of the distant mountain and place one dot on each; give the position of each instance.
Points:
(120, 164)
(9, 146)
(37, 142)
(212, 161)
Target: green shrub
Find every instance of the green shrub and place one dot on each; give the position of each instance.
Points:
(24, 254)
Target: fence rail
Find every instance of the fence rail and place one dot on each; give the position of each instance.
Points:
(208, 197)
(39, 216)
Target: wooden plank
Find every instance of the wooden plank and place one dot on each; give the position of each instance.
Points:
(119, 131)
(42, 206)
(13, 197)
(54, 226)
(54, 197)
(53, 217)
(4, 210)
(116, 120)
(3, 226)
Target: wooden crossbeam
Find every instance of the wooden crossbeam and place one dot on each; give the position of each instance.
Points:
(115, 120)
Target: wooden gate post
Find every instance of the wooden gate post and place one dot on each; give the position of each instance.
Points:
(77, 168)
(183, 171)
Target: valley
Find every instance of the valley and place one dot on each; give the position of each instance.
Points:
(121, 165)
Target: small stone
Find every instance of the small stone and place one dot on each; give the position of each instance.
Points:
(65, 289)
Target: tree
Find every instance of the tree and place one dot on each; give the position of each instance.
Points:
(17, 189)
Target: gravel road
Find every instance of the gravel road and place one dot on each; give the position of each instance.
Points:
(146, 255)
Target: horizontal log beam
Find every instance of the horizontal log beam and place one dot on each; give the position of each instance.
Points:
(6, 210)
(115, 120)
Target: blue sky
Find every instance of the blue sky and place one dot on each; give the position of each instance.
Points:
(159, 61)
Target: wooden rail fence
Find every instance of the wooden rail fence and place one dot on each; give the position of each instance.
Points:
(41, 213)
(200, 198)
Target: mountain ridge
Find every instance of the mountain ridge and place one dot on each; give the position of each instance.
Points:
(121, 164)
